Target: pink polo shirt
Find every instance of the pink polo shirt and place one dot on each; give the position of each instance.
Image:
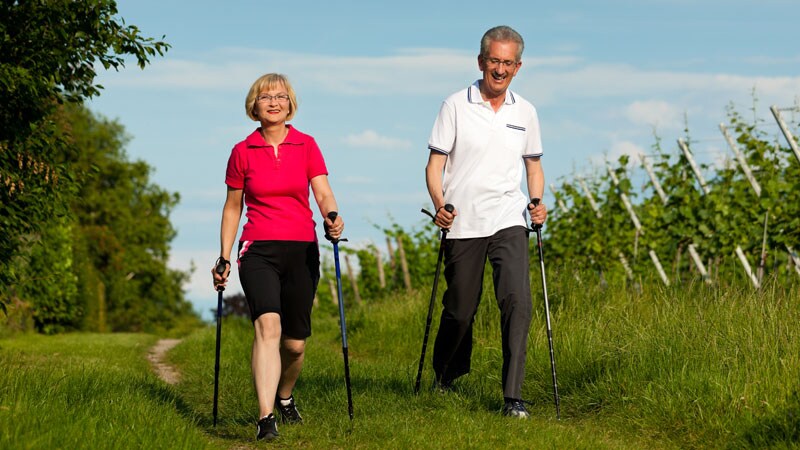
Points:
(276, 188)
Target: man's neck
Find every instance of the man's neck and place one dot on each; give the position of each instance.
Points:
(496, 101)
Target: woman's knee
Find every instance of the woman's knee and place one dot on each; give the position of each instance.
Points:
(293, 348)
(267, 327)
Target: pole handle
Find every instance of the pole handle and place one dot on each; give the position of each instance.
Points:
(447, 207)
(332, 215)
(222, 264)
(535, 202)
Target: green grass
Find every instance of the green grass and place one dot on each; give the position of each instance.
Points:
(683, 367)
(88, 391)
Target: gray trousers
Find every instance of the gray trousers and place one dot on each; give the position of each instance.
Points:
(507, 251)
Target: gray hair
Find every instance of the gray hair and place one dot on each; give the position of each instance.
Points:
(502, 33)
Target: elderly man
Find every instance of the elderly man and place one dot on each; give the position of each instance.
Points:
(482, 139)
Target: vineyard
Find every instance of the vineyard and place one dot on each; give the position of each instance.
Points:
(736, 227)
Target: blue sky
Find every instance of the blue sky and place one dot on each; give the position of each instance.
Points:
(370, 77)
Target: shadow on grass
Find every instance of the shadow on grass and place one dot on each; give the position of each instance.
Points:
(782, 427)
(227, 428)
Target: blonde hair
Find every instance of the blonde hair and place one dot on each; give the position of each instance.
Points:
(266, 83)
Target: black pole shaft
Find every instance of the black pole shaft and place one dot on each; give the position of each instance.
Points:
(216, 358)
(430, 312)
(342, 324)
(343, 327)
(538, 229)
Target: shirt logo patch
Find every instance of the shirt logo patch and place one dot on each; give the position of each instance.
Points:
(515, 127)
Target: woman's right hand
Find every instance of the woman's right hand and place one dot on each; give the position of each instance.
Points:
(220, 280)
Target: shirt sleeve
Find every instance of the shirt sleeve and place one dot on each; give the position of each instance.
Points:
(234, 174)
(316, 163)
(533, 148)
(443, 135)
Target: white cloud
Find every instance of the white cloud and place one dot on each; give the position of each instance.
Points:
(545, 79)
(233, 68)
(655, 113)
(600, 81)
(619, 148)
(370, 139)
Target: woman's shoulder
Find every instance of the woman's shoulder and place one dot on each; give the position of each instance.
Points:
(297, 135)
(253, 139)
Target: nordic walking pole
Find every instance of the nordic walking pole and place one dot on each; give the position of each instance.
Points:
(449, 208)
(220, 269)
(332, 215)
(538, 229)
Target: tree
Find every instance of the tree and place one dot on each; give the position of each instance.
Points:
(48, 53)
(122, 218)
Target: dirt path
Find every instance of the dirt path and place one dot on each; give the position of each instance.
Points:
(156, 357)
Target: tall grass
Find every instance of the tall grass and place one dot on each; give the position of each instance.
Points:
(683, 367)
(689, 366)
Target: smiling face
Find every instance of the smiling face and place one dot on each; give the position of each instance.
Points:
(272, 106)
(499, 66)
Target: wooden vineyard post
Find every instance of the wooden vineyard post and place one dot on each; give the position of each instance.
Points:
(391, 253)
(638, 226)
(625, 200)
(695, 169)
(334, 294)
(747, 268)
(762, 262)
(660, 269)
(786, 133)
(742, 161)
(793, 257)
(559, 202)
(353, 279)
(699, 264)
(381, 274)
(656, 185)
(624, 261)
(403, 263)
(590, 197)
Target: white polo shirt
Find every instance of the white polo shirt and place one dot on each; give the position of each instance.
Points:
(485, 166)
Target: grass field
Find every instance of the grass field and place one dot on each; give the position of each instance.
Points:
(684, 367)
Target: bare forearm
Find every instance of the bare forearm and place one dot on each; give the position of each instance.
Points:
(433, 179)
(535, 179)
(231, 214)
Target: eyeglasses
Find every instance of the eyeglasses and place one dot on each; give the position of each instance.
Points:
(263, 98)
(496, 62)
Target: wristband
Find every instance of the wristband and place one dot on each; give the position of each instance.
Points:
(222, 260)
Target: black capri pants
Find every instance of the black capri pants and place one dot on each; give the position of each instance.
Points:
(280, 277)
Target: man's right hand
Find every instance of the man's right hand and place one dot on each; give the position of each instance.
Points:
(443, 218)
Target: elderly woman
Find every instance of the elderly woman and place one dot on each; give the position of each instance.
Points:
(278, 257)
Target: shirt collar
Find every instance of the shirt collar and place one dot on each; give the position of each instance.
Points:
(255, 139)
(474, 94)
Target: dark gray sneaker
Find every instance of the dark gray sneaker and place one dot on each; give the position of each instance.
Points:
(515, 408)
(289, 412)
(267, 428)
